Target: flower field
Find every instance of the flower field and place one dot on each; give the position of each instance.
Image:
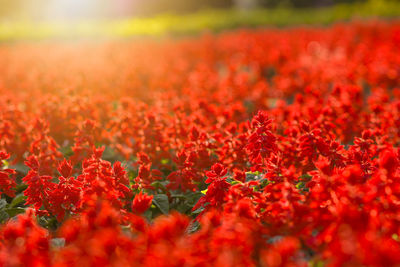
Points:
(274, 147)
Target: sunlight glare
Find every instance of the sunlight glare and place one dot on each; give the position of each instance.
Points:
(72, 9)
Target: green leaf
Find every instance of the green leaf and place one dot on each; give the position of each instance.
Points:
(158, 184)
(233, 182)
(161, 201)
(193, 227)
(42, 221)
(5, 163)
(395, 237)
(199, 210)
(193, 197)
(3, 216)
(253, 176)
(164, 161)
(316, 263)
(20, 167)
(148, 214)
(57, 242)
(21, 187)
(300, 185)
(178, 196)
(18, 199)
(183, 208)
(109, 154)
(66, 151)
(3, 204)
(14, 211)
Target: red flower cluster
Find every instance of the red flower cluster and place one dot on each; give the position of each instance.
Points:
(247, 148)
(6, 180)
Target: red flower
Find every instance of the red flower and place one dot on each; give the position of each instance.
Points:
(217, 189)
(389, 161)
(261, 142)
(7, 183)
(39, 186)
(141, 202)
(65, 168)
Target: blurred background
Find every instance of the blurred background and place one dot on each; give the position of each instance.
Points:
(95, 9)
(37, 19)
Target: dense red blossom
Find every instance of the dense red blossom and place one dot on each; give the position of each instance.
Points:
(245, 148)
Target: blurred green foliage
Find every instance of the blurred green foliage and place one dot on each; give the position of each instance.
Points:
(210, 20)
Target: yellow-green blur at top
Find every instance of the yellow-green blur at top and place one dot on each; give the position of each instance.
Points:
(44, 20)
